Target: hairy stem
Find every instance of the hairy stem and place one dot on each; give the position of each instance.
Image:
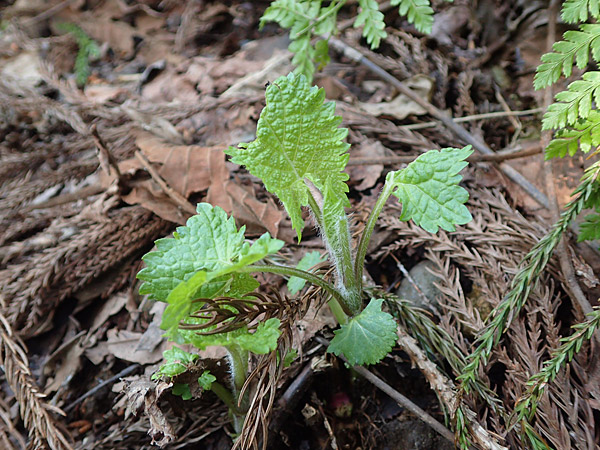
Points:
(363, 244)
(238, 362)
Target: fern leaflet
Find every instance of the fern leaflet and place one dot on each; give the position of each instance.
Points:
(418, 12)
(575, 48)
(577, 10)
(585, 134)
(574, 103)
(372, 19)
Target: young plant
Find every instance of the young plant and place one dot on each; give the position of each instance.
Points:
(299, 153)
(88, 49)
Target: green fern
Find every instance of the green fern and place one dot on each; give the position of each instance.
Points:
(88, 49)
(372, 19)
(307, 19)
(574, 103)
(418, 12)
(574, 11)
(585, 134)
(574, 49)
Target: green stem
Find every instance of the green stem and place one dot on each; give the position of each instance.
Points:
(225, 395)
(363, 244)
(238, 361)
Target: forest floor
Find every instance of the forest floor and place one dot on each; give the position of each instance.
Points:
(97, 165)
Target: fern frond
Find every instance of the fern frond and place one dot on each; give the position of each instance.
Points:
(577, 10)
(372, 19)
(418, 12)
(585, 134)
(574, 103)
(575, 48)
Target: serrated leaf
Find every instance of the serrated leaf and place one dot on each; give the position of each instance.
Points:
(183, 390)
(206, 380)
(209, 241)
(418, 12)
(429, 192)
(371, 19)
(590, 228)
(181, 298)
(177, 361)
(263, 340)
(577, 10)
(584, 135)
(309, 260)
(573, 104)
(574, 49)
(298, 139)
(366, 338)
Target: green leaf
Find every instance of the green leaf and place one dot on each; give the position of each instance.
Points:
(290, 356)
(429, 192)
(181, 298)
(585, 135)
(298, 139)
(262, 341)
(177, 361)
(418, 12)
(209, 241)
(206, 380)
(309, 260)
(183, 390)
(589, 228)
(574, 103)
(575, 48)
(577, 10)
(366, 338)
(372, 19)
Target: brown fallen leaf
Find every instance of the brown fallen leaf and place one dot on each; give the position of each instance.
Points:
(242, 204)
(366, 175)
(143, 394)
(401, 106)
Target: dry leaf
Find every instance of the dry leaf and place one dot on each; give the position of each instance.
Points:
(401, 107)
(367, 175)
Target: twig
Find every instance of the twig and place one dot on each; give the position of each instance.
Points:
(444, 388)
(562, 250)
(521, 151)
(483, 116)
(93, 391)
(398, 397)
(171, 193)
(107, 161)
(457, 129)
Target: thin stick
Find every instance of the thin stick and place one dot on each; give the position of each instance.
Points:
(447, 120)
(398, 397)
(527, 149)
(444, 388)
(483, 116)
(173, 195)
(562, 249)
(92, 391)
